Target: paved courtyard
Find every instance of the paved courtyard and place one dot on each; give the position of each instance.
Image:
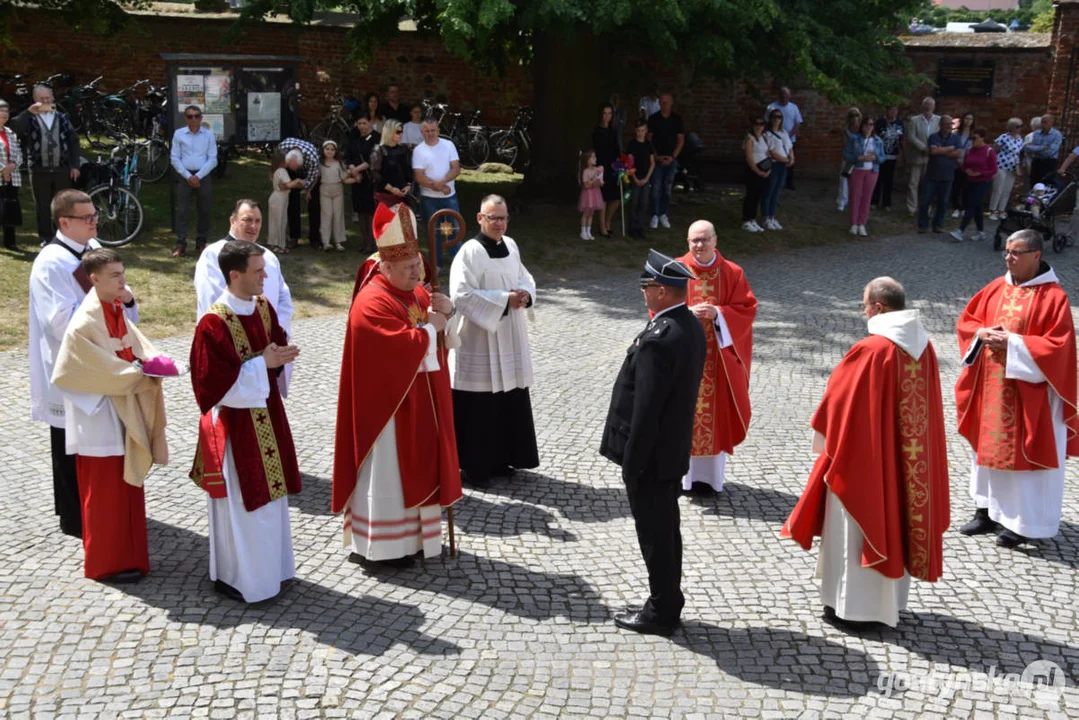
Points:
(520, 624)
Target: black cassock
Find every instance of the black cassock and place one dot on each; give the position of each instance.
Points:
(649, 433)
(495, 430)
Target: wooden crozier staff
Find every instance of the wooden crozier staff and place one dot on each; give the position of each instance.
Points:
(439, 224)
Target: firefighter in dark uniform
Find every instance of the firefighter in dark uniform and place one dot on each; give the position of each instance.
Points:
(649, 432)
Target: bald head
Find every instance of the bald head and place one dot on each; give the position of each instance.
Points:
(702, 241)
(886, 291)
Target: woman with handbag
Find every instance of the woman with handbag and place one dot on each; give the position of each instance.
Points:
(854, 121)
(10, 179)
(781, 150)
(391, 172)
(864, 153)
(758, 169)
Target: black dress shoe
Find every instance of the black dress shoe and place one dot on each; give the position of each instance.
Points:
(228, 591)
(850, 625)
(703, 490)
(503, 471)
(637, 622)
(1008, 539)
(125, 577)
(401, 562)
(474, 481)
(980, 525)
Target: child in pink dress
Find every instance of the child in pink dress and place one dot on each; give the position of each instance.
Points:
(590, 178)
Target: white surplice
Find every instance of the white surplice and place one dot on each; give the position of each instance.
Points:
(1030, 502)
(251, 551)
(857, 593)
(494, 354)
(210, 284)
(54, 297)
(710, 469)
(378, 526)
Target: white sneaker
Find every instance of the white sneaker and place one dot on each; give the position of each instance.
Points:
(751, 226)
(853, 229)
(775, 224)
(862, 232)
(758, 226)
(665, 222)
(840, 207)
(654, 222)
(955, 213)
(584, 234)
(978, 236)
(339, 247)
(957, 235)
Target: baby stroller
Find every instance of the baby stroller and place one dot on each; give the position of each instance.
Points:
(688, 174)
(1040, 211)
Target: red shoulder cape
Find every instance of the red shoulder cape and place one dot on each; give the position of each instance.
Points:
(1009, 423)
(380, 380)
(265, 462)
(723, 408)
(882, 418)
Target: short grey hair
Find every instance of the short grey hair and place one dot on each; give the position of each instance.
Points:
(1036, 123)
(4, 105)
(1031, 239)
(46, 88)
(492, 200)
(1014, 123)
(294, 155)
(888, 292)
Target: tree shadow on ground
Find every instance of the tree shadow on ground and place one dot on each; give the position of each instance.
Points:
(783, 659)
(577, 501)
(746, 501)
(314, 497)
(476, 515)
(961, 643)
(364, 625)
(510, 588)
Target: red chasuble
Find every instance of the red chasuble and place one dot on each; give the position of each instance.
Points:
(113, 511)
(380, 380)
(1009, 423)
(882, 418)
(261, 439)
(723, 410)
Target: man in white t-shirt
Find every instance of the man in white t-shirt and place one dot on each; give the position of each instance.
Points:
(435, 165)
(792, 122)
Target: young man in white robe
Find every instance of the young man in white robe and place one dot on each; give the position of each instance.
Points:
(58, 285)
(493, 293)
(246, 459)
(245, 224)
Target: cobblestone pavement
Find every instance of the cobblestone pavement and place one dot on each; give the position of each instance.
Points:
(519, 625)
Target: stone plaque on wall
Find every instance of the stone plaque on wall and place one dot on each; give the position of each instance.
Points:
(965, 78)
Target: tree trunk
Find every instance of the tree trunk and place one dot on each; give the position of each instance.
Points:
(569, 72)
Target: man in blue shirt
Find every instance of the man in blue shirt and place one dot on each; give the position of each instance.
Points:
(1043, 150)
(944, 149)
(193, 156)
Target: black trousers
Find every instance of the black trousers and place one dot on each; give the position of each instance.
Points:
(184, 193)
(755, 187)
(314, 216)
(46, 183)
(882, 191)
(494, 430)
(1039, 168)
(654, 503)
(959, 191)
(65, 485)
(790, 177)
(637, 211)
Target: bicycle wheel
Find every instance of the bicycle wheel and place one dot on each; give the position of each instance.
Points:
(153, 160)
(478, 147)
(505, 148)
(328, 130)
(120, 215)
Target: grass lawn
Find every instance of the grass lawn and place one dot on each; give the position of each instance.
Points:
(321, 282)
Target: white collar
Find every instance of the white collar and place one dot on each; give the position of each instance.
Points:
(77, 247)
(666, 310)
(713, 261)
(237, 305)
(1049, 276)
(904, 328)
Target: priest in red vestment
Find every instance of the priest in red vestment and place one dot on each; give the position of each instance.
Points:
(878, 493)
(395, 453)
(245, 460)
(722, 300)
(1016, 396)
(115, 422)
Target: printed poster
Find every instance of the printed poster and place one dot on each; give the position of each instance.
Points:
(218, 94)
(263, 116)
(216, 124)
(190, 90)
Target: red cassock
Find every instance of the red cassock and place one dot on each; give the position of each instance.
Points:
(882, 418)
(261, 439)
(723, 410)
(1009, 423)
(370, 267)
(380, 380)
(113, 511)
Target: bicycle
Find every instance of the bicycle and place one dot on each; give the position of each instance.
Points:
(334, 126)
(116, 197)
(513, 146)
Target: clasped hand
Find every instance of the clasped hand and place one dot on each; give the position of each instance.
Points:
(704, 311)
(995, 338)
(276, 355)
(519, 299)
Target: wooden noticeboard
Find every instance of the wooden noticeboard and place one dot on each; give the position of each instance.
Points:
(965, 78)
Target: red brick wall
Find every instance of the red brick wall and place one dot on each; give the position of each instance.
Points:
(423, 68)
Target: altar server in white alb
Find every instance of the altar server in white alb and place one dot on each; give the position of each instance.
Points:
(245, 223)
(493, 293)
(246, 459)
(58, 285)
